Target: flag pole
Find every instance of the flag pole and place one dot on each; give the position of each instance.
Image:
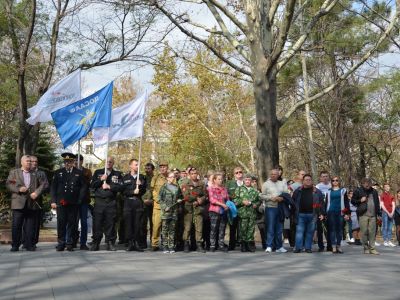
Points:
(79, 154)
(108, 142)
(140, 151)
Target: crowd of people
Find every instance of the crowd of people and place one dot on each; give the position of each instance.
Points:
(184, 211)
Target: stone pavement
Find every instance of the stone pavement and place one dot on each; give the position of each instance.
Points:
(47, 274)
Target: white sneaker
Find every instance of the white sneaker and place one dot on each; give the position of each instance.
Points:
(172, 251)
(166, 251)
(386, 244)
(391, 244)
(268, 250)
(352, 240)
(281, 250)
(377, 244)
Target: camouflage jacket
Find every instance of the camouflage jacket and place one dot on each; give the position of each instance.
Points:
(192, 192)
(243, 193)
(168, 201)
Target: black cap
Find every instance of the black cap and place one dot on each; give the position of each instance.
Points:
(80, 156)
(68, 156)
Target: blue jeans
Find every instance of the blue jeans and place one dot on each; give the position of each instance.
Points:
(305, 227)
(387, 224)
(274, 227)
(83, 216)
(335, 223)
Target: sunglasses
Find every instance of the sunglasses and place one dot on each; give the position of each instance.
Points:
(335, 180)
(239, 172)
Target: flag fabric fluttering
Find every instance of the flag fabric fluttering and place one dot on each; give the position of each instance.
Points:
(76, 120)
(126, 122)
(61, 94)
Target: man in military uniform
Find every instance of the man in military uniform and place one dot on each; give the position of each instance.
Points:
(105, 186)
(134, 187)
(68, 190)
(156, 183)
(148, 206)
(193, 191)
(247, 201)
(231, 187)
(83, 207)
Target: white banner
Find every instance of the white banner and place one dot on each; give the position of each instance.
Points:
(62, 93)
(126, 122)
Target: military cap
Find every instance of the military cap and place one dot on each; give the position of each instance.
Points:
(176, 170)
(248, 176)
(68, 156)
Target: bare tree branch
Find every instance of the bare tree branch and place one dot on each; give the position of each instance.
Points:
(204, 42)
(234, 42)
(326, 7)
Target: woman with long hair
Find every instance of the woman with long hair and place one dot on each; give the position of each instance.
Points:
(337, 208)
(355, 226)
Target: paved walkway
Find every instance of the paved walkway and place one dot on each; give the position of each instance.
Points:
(47, 274)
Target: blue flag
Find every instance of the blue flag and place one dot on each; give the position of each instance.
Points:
(76, 120)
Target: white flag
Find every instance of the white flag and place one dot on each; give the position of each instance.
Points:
(62, 93)
(126, 122)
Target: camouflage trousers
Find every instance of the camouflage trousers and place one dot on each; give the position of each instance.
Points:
(168, 234)
(246, 229)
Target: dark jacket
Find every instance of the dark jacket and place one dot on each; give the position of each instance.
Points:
(129, 186)
(286, 207)
(318, 202)
(69, 187)
(114, 179)
(361, 192)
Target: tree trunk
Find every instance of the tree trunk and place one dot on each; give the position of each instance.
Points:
(267, 148)
(362, 159)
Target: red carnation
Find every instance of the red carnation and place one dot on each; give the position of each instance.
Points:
(63, 202)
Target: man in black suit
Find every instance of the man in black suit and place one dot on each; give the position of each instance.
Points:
(68, 190)
(106, 186)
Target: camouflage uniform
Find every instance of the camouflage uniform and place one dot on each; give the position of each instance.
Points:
(192, 192)
(168, 199)
(247, 214)
(157, 182)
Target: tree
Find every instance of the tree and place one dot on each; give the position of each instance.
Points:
(265, 41)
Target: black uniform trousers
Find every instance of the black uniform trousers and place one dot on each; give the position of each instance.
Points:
(104, 217)
(66, 222)
(133, 218)
(147, 221)
(23, 217)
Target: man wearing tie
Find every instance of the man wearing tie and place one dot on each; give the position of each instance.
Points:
(68, 190)
(25, 187)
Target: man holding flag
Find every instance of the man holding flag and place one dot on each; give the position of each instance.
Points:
(73, 122)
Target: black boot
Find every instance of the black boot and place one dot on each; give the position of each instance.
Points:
(137, 247)
(243, 247)
(111, 246)
(94, 247)
(186, 247)
(249, 248)
(200, 247)
(130, 247)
